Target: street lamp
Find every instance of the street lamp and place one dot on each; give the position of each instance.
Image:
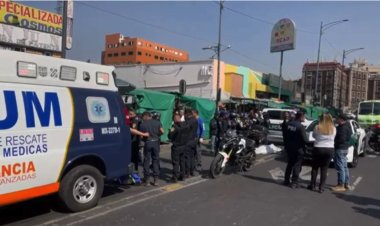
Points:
(323, 28)
(345, 53)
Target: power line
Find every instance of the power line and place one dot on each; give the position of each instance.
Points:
(144, 23)
(169, 31)
(262, 20)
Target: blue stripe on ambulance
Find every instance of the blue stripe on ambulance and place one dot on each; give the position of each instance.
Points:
(107, 147)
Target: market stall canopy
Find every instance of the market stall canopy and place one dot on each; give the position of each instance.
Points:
(163, 103)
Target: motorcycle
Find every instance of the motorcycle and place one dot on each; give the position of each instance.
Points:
(237, 151)
(373, 137)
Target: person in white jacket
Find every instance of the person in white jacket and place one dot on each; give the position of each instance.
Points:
(324, 135)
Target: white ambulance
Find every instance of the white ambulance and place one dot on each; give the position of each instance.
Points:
(62, 129)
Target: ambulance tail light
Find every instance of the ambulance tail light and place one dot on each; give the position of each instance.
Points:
(25, 69)
(102, 78)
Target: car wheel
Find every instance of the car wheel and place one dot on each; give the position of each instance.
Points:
(355, 160)
(81, 188)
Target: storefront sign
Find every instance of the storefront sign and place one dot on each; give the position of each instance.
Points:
(29, 38)
(283, 36)
(28, 17)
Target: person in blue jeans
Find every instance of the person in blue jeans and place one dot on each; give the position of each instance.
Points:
(200, 133)
(342, 143)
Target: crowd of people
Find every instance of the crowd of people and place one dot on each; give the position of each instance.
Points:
(186, 135)
(330, 142)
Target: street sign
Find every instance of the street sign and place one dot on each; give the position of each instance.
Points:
(283, 36)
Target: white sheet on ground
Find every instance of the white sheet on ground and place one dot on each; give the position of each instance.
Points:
(267, 149)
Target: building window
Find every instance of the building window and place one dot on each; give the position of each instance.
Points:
(156, 57)
(139, 53)
(161, 58)
(139, 43)
(115, 54)
(146, 54)
(109, 46)
(138, 62)
(130, 53)
(130, 43)
(123, 53)
(109, 55)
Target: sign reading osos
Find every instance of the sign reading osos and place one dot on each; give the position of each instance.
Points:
(31, 18)
(31, 105)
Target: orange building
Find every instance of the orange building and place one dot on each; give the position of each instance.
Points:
(126, 50)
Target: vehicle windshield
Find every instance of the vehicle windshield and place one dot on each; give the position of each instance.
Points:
(366, 108)
(311, 127)
(376, 109)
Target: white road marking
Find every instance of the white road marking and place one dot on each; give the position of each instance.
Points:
(277, 174)
(356, 183)
(160, 191)
(132, 203)
(144, 196)
(372, 156)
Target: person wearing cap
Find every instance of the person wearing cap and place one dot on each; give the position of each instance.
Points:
(295, 141)
(342, 142)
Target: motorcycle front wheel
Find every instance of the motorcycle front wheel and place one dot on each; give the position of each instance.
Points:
(216, 168)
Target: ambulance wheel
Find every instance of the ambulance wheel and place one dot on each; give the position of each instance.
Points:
(81, 188)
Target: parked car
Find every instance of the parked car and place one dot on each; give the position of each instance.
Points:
(356, 149)
(276, 117)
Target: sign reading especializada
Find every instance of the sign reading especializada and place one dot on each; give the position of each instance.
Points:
(16, 14)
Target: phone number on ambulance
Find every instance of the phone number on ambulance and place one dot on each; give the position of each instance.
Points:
(111, 130)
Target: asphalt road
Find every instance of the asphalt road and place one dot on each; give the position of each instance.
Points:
(254, 198)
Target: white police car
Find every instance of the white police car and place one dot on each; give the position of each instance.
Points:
(354, 151)
(276, 118)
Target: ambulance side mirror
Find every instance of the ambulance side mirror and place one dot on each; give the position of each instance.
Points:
(129, 100)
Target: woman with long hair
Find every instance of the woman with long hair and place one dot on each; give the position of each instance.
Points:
(324, 135)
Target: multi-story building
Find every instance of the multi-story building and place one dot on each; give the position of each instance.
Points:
(331, 86)
(295, 87)
(373, 87)
(357, 83)
(126, 50)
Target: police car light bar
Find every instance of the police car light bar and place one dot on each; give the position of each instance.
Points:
(102, 78)
(25, 69)
(68, 73)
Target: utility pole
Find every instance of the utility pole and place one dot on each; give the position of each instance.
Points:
(64, 29)
(218, 90)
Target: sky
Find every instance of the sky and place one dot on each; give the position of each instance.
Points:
(192, 25)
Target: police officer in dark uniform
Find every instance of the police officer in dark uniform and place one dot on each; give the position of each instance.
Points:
(179, 136)
(151, 147)
(295, 141)
(192, 142)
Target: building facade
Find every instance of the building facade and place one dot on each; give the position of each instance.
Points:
(331, 86)
(126, 50)
(357, 84)
(373, 87)
(200, 77)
